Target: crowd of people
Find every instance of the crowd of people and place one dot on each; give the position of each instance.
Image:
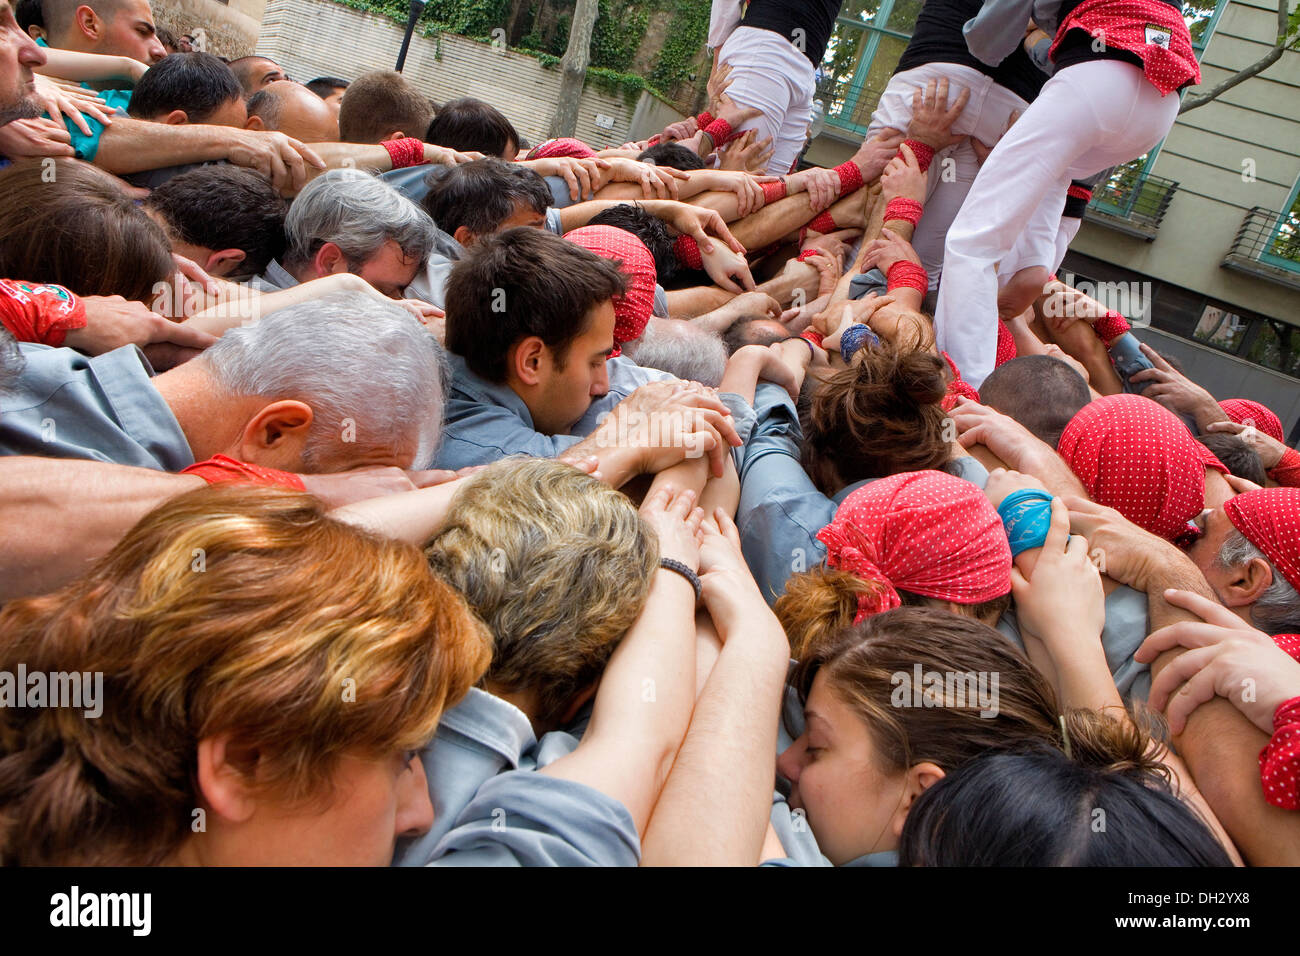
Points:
(418, 495)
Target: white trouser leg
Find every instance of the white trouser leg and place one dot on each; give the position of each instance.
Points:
(1087, 117)
(769, 74)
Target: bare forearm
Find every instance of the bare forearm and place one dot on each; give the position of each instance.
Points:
(58, 516)
(715, 805)
(132, 146)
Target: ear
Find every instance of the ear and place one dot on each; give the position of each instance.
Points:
(224, 262)
(276, 436)
(223, 780)
(176, 118)
(254, 122)
(527, 359)
(329, 259)
(1246, 583)
(919, 779)
(579, 702)
(396, 134)
(86, 22)
(464, 236)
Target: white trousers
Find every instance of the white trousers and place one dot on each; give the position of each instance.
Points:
(769, 74)
(1088, 116)
(953, 170)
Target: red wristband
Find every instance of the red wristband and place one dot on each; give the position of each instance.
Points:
(813, 336)
(221, 468)
(773, 191)
(907, 275)
(688, 252)
(1111, 326)
(822, 223)
(924, 154)
(704, 119)
(850, 177)
(807, 254)
(721, 133)
(902, 209)
(404, 152)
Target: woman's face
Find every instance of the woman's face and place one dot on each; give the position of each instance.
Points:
(373, 801)
(852, 806)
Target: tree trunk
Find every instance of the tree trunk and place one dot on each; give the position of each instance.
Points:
(574, 69)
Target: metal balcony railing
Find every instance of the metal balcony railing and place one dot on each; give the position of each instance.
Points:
(1131, 203)
(1268, 245)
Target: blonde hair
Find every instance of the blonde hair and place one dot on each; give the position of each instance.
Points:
(556, 563)
(227, 610)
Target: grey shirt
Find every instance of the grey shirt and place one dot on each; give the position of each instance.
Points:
(105, 408)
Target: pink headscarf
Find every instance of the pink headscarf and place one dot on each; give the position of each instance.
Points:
(632, 309)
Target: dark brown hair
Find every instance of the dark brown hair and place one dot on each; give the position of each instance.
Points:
(380, 103)
(876, 418)
(523, 282)
(70, 224)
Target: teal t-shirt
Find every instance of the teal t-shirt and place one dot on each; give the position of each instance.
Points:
(87, 146)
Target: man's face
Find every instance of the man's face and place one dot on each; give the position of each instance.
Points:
(130, 32)
(335, 99)
(261, 72)
(18, 54)
(524, 215)
(566, 389)
(390, 270)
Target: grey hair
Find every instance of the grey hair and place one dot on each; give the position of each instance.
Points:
(682, 349)
(375, 378)
(1277, 610)
(358, 213)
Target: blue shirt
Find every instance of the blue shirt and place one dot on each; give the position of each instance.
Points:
(105, 408)
(486, 421)
(528, 818)
(781, 509)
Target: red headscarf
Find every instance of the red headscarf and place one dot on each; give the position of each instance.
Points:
(1270, 520)
(632, 309)
(564, 146)
(1135, 456)
(925, 532)
(1245, 412)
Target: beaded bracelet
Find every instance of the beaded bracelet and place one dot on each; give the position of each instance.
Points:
(670, 564)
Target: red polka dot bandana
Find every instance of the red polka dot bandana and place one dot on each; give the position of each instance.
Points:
(922, 531)
(1153, 31)
(1270, 520)
(1135, 456)
(564, 146)
(632, 309)
(1245, 412)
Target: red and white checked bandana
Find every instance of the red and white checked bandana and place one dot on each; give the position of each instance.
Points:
(1135, 456)
(1245, 412)
(564, 146)
(632, 309)
(923, 531)
(1270, 520)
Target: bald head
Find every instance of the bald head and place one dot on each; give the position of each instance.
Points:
(294, 110)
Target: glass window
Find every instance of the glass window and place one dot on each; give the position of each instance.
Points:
(1221, 328)
(1276, 347)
